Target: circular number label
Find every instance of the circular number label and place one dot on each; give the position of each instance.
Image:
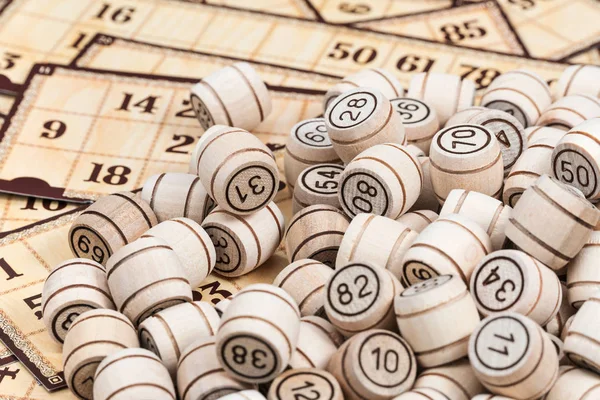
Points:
(147, 342)
(502, 343)
(322, 179)
(64, 318)
(415, 272)
(204, 117)
(313, 133)
(411, 111)
(384, 360)
(464, 139)
(82, 382)
(363, 193)
(250, 188)
(353, 290)
(352, 109)
(249, 356)
(86, 243)
(305, 385)
(573, 168)
(509, 108)
(509, 137)
(229, 255)
(498, 284)
(426, 286)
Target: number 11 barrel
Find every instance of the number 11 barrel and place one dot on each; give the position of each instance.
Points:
(237, 170)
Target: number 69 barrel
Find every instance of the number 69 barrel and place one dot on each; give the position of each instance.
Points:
(109, 224)
(237, 170)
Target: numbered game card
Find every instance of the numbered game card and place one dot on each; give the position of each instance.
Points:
(77, 134)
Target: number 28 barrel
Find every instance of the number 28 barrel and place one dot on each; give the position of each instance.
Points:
(237, 170)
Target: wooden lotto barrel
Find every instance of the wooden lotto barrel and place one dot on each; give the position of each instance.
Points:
(583, 336)
(93, 336)
(521, 93)
(570, 111)
(551, 222)
(316, 232)
(169, 331)
(456, 380)
(583, 277)
(376, 240)
(578, 79)
(318, 341)
(385, 180)
(200, 376)
(305, 281)
(261, 320)
(489, 213)
(133, 374)
(446, 93)
(449, 245)
(72, 288)
(145, 277)
(418, 220)
(574, 384)
(175, 195)
(109, 224)
(536, 291)
(360, 298)
(420, 121)
(244, 242)
(238, 171)
(423, 308)
(530, 365)
(466, 157)
(355, 366)
(234, 96)
(191, 243)
(317, 185)
(360, 119)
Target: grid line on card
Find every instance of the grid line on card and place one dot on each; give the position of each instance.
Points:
(87, 134)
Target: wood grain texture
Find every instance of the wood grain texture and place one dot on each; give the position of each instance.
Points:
(237, 170)
(578, 79)
(418, 220)
(354, 365)
(521, 93)
(145, 277)
(455, 380)
(511, 280)
(93, 336)
(72, 288)
(446, 93)
(512, 356)
(244, 242)
(316, 232)
(109, 224)
(133, 374)
(168, 332)
(234, 96)
(449, 245)
(317, 185)
(423, 308)
(385, 179)
(574, 384)
(318, 340)
(466, 157)
(360, 119)
(570, 111)
(377, 78)
(174, 195)
(420, 121)
(376, 240)
(192, 245)
(551, 222)
(258, 333)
